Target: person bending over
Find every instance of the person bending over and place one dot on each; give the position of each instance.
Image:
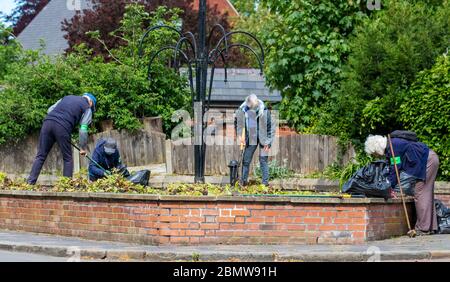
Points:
(62, 118)
(418, 161)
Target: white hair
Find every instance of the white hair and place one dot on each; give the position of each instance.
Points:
(252, 100)
(375, 144)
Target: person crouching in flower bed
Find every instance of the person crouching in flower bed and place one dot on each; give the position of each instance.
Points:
(106, 158)
(417, 161)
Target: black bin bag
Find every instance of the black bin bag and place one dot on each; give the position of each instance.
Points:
(370, 181)
(443, 217)
(141, 177)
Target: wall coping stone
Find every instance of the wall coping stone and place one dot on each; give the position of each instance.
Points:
(175, 198)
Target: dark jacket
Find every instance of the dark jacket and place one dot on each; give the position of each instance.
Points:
(413, 159)
(258, 125)
(108, 162)
(71, 111)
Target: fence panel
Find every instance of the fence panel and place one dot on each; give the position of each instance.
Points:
(303, 154)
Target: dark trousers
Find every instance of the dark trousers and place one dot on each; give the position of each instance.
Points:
(52, 132)
(263, 162)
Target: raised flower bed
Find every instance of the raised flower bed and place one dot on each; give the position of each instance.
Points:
(153, 219)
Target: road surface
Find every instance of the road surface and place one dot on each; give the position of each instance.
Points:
(6, 256)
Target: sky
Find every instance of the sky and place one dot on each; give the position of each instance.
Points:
(6, 6)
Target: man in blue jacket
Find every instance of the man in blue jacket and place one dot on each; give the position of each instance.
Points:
(62, 118)
(106, 157)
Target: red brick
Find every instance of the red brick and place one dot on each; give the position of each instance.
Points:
(177, 240)
(312, 220)
(225, 219)
(240, 212)
(209, 226)
(255, 219)
(195, 233)
(169, 218)
(327, 227)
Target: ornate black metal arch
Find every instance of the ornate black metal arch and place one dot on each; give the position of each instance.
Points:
(197, 54)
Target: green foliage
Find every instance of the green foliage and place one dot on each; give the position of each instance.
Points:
(9, 49)
(427, 110)
(35, 81)
(343, 173)
(245, 7)
(275, 171)
(387, 52)
(117, 184)
(306, 42)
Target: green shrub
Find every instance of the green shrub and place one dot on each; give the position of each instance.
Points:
(34, 81)
(9, 49)
(387, 51)
(275, 171)
(307, 43)
(427, 111)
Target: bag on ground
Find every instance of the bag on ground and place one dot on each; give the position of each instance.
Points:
(141, 177)
(408, 184)
(370, 181)
(443, 217)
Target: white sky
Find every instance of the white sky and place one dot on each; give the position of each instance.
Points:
(6, 6)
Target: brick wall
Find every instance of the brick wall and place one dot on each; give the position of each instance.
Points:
(148, 219)
(442, 192)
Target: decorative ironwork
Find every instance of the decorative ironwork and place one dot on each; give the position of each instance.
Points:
(197, 54)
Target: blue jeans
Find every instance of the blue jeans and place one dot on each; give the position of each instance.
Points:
(263, 162)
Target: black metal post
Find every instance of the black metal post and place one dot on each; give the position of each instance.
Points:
(202, 73)
(198, 55)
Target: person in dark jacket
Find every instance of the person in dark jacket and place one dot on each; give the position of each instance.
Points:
(255, 119)
(418, 161)
(62, 118)
(107, 157)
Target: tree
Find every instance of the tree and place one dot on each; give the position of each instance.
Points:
(9, 49)
(307, 43)
(35, 81)
(106, 15)
(24, 13)
(245, 7)
(426, 110)
(387, 52)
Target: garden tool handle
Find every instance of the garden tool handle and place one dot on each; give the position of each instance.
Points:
(89, 158)
(242, 138)
(398, 180)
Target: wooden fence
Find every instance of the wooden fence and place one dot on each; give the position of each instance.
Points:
(136, 148)
(303, 154)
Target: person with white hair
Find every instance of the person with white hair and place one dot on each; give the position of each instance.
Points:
(254, 119)
(418, 161)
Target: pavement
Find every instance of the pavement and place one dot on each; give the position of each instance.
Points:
(426, 248)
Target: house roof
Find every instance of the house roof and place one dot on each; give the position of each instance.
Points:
(46, 26)
(241, 83)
